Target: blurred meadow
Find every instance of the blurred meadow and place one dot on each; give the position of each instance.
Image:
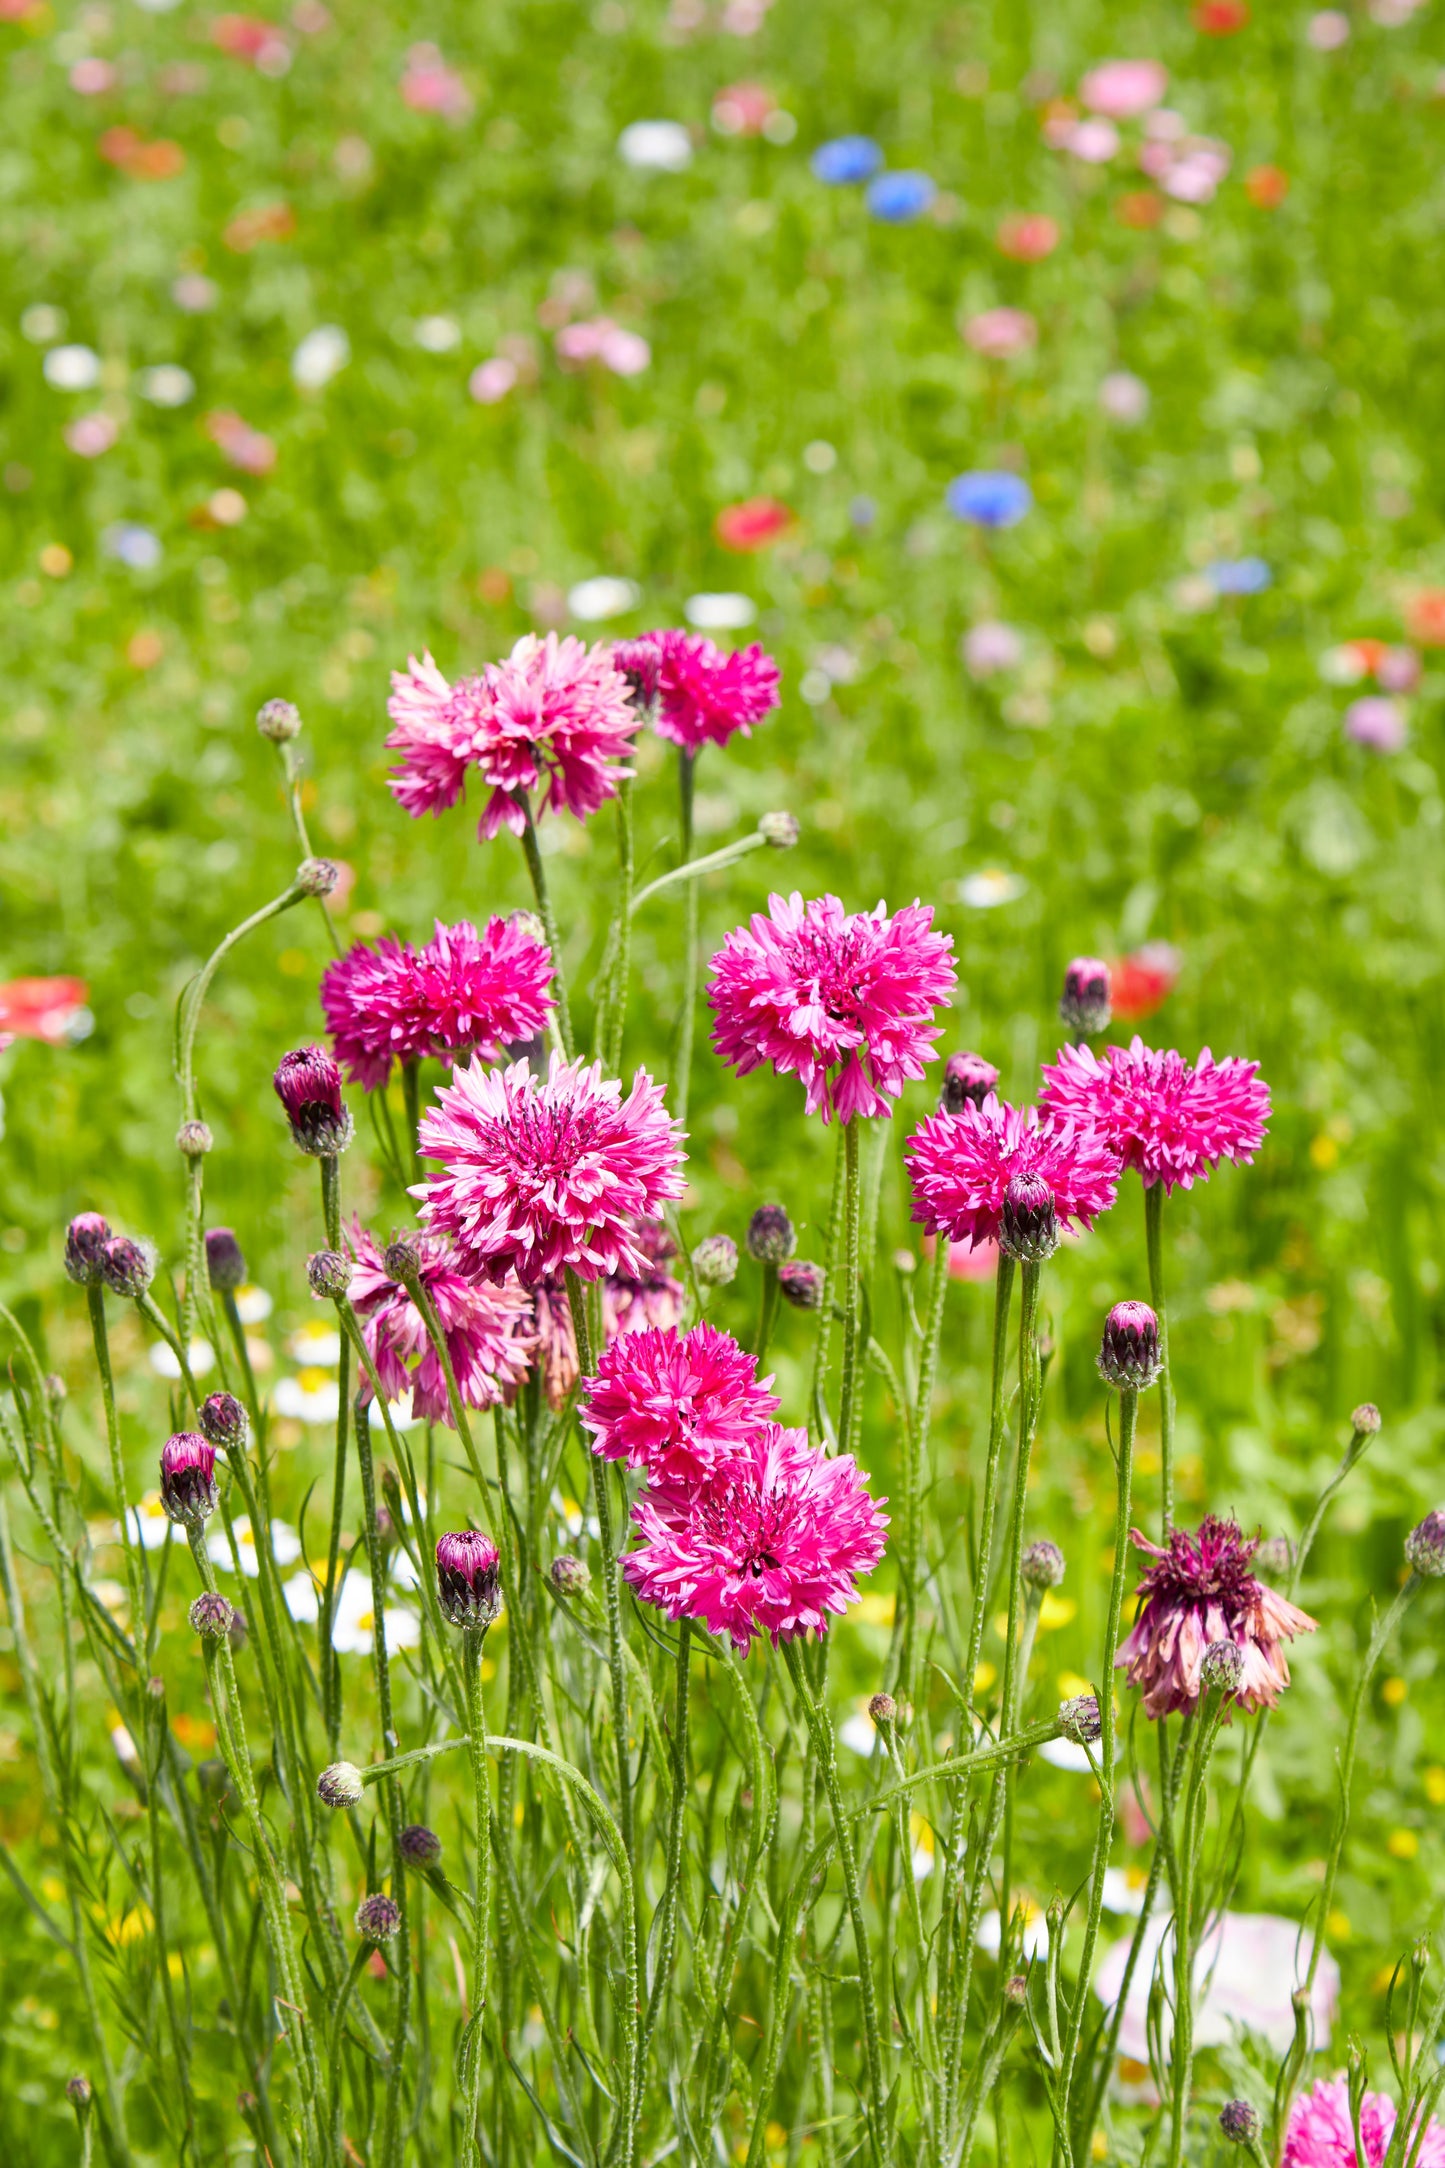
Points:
(287, 394)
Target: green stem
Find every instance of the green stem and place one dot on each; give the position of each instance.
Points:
(667, 1932)
(850, 1396)
(767, 1313)
(615, 993)
(411, 1099)
(1154, 1243)
(1030, 1383)
(983, 1571)
(693, 869)
(140, 1635)
(917, 1441)
(482, 1899)
(611, 1594)
(682, 1066)
(532, 852)
(1181, 2054)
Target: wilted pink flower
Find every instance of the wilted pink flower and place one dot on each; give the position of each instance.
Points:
(961, 1165)
(1201, 1591)
(555, 712)
(1123, 89)
(1378, 723)
(487, 1329)
(1171, 1120)
(430, 86)
(1321, 2132)
(703, 695)
(771, 1542)
(541, 1178)
(675, 1404)
(999, 333)
(845, 1003)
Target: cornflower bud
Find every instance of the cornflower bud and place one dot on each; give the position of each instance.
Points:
(77, 2092)
(1425, 1546)
(193, 1140)
(1042, 1564)
(771, 1238)
(1239, 2121)
(308, 1085)
(85, 1240)
(468, 1578)
(1366, 1419)
(279, 720)
(378, 1917)
(188, 1478)
(419, 1846)
(211, 1615)
(779, 830)
(317, 876)
(802, 1284)
(56, 1390)
(1079, 1719)
(715, 1261)
(1084, 1004)
(225, 1265)
(1029, 1227)
(569, 1576)
(1129, 1353)
(1273, 1557)
(223, 1419)
(340, 1785)
(529, 924)
(329, 1273)
(883, 1709)
(967, 1081)
(238, 1633)
(1222, 1667)
(401, 1259)
(127, 1267)
(1016, 1988)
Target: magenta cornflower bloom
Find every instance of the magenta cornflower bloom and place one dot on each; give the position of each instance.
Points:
(771, 1542)
(631, 1302)
(538, 1178)
(308, 1085)
(463, 990)
(1321, 2132)
(1172, 1120)
(961, 1167)
(468, 1578)
(705, 696)
(188, 1477)
(675, 1403)
(639, 661)
(1201, 1591)
(844, 1003)
(555, 713)
(487, 1329)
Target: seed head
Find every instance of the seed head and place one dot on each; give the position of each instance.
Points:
(715, 1261)
(317, 876)
(211, 1615)
(193, 1140)
(569, 1575)
(188, 1478)
(883, 1709)
(802, 1284)
(223, 1420)
(1366, 1419)
(378, 1917)
(1221, 1667)
(1129, 1354)
(771, 1237)
(419, 1846)
(225, 1265)
(278, 720)
(1425, 1545)
(1028, 1227)
(1079, 1719)
(967, 1081)
(1239, 2121)
(779, 830)
(1042, 1565)
(329, 1273)
(468, 1578)
(340, 1785)
(85, 1240)
(1084, 1004)
(127, 1267)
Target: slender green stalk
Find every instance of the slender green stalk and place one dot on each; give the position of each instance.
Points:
(95, 1296)
(917, 1470)
(411, 1100)
(767, 1313)
(1154, 1244)
(983, 1569)
(611, 1594)
(692, 870)
(1030, 1387)
(667, 1910)
(532, 852)
(337, 2033)
(615, 992)
(328, 1665)
(474, 1637)
(682, 1063)
(1187, 1914)
(850, 1409)
(817, 1398)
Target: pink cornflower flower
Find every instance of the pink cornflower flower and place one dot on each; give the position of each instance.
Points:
(844, 1003)
(963, 1165)
(1201, 1591)
(369, 998)
(487, 1329)
(1321, 2132)
(463, 990)
(705, 696)
(771, 1542)
(539, 1178)
(649, 1300)
(555, 713)
(674, 1403)
(1172, 1120)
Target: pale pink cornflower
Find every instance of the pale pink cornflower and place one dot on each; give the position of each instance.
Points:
(1377, 722)
(631, 1302)
(961, 1167)
(1000, 333)
(1321, 2132)
(487, 1329)
(771, 1542)
(463, 990)
(843, 1002)
(541, 1178)
(1123, 89)
(675, 1404)
(703, 695)
(1172, 1120)
(430, 86)
(1200, 1591)
(555, 713)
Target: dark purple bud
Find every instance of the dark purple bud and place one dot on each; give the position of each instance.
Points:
(1042, 1565)
(223, 1420)
(1079, 1719)
(771, 1238)
(1239, 2121)
(211, 1615)
(967, 1081)
(569, 1575)
(1016, 1988)
(127, 1267)
(1425, 1546)
(77, 2092)
(468, 1578)
(317, 876)
(1028, 1227)
(802, 1284)
(1129, 1354)
(188, 1477)
(1084, 1004)
(85, 1240)
(329, 1273)
(225, 1265)
(378, 1917)
(308, 1085)
(193, 1140)
(419, 1846)
(883, 1709)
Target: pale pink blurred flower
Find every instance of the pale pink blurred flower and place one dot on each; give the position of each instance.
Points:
(1398, 670)
(1094, 141)
(487, 1330)
(1378, 723)
(91, 434)
(742, 108)
(999, 333)
(92, 77)
(492, 380)
(1166, 126)
(242, 446)
(1189, 169)
(1321, 2131)
(625, 353)
(430, 86)
(991, 647)
(1329, 30)
(1124, 397)
(195, 293)
(1123, 89)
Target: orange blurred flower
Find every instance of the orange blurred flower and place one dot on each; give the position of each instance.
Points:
(273, 222)
(1221, 18)
(1425, 617)
(1141, 208)
(1267, 187)
(161, 160)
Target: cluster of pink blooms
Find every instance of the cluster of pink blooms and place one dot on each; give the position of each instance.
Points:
(623, 352)
(1321, 2132)
(463, 990)
(843, 1002)
(487, 1330)
(1172, 1119)
(1201, 1592)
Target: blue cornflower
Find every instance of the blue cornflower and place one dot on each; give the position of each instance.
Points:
(989, 498)
(846, 159)
(1239, 576)
(899, 198)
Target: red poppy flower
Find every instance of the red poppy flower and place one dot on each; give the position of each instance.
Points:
(1425, 617)
(1141, 208)
(1267, 187)
(1141, 983)
(1027, 236)
(1221, 18)
(753, 524)
(40, 1009)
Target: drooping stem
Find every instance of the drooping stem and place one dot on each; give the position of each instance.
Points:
(474, 1637)
(916, 1474)
(1154, 1243)
(532, 852)
(849, 1402)
(693, 869)
(682, 1064)
(667, 1929)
